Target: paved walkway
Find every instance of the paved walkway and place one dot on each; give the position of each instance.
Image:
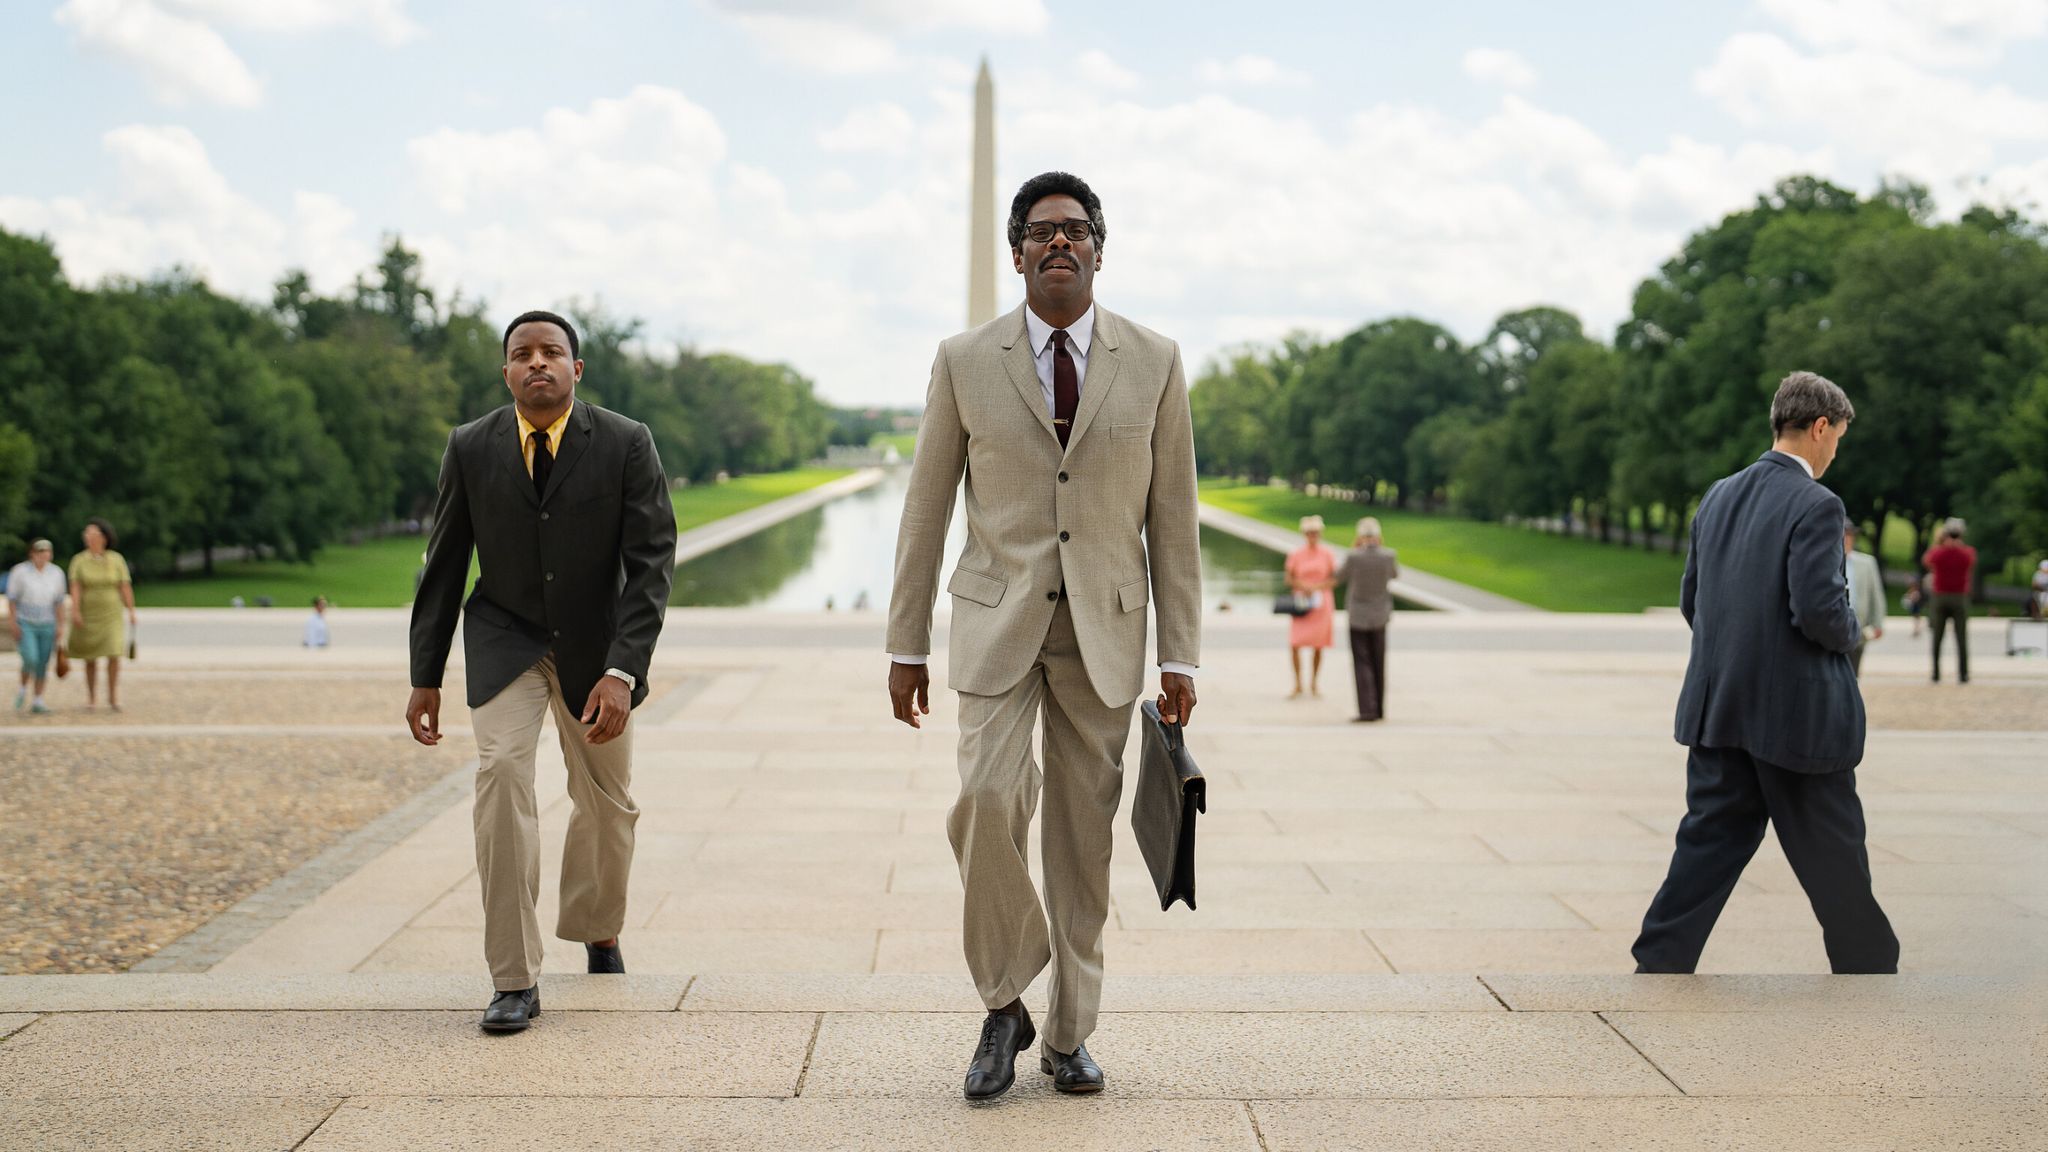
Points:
(1411, 935)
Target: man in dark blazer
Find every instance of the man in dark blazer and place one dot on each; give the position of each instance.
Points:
(567, 511)
(1770, 706)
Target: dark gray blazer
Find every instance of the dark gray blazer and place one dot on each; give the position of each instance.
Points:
(583, 571)
(1766, 591)
(1367, 572)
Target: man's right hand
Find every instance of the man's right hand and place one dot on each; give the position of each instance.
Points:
(423, 715)
(910, 692)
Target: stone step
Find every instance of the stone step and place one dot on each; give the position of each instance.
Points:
(918, 993)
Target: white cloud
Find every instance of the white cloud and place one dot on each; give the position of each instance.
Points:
(859, 37)
(178, 47)
(1250, 71)
(1928, 33)
(385, 18)
(895, 17)
(1095, 67)
(885, 128)
(1883, 107)
(170, 206)
(181, 58)
(1499, 66)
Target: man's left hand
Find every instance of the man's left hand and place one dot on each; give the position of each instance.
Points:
(1176, 697)
(611, 702)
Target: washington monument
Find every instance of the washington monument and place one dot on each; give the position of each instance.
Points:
(981, 206)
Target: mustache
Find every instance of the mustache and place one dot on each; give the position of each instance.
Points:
(1058, 258)
(532, 376)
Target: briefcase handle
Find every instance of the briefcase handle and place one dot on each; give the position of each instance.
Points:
(1175, 739)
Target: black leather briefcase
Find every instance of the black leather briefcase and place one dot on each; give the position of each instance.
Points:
(1170, 792)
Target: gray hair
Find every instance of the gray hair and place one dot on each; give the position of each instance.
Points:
(1804, 397)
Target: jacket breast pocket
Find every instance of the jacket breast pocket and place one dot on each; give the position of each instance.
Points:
(975, 586)
(1131, 431)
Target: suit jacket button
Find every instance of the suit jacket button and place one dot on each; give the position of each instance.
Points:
(558, 632)
(1052, 595)
(1063, 537)
(551, 576)
(543, 515)
(1063, 477)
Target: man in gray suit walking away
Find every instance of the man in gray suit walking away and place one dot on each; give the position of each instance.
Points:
(1069, 425)
(1770, 706)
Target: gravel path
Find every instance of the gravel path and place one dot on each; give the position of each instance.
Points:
(242, 696)
(115, 846)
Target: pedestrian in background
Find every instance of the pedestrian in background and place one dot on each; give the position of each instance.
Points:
(1866, 595)
(1951, 566)
(2037, 604)
(1368, 569)
(36, 595)
(316, 624)
(1915, 600)
(1312, 574)
(101, 591)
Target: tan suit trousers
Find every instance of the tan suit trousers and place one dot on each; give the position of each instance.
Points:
(1007, 935)
(597, 854)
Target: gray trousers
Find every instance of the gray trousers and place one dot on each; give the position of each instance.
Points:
(1009, 934)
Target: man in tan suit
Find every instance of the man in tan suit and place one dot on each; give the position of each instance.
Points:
(1070, 425)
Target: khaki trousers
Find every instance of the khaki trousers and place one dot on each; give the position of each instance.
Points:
(1008, 938)
(597, 854)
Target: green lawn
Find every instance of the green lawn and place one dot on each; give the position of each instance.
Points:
(905, 442)
(700, 504)
(1558, 573)
(379, 574)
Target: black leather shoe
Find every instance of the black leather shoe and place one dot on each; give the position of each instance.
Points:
(995, 1058)
(512, 1011)
(1077, 1074)
(605, 958)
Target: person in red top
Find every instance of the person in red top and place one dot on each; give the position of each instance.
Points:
(1951, 564)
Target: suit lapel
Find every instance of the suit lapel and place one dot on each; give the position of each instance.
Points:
(505, 445)
(1102, 368)
(1022, 368)
(575, 441)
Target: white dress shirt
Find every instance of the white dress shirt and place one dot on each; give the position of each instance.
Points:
(1080, 334)
(1802, 463)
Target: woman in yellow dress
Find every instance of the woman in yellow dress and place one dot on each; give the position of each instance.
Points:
(100, 589)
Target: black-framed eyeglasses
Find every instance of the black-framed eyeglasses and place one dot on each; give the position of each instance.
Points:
(1041, 231)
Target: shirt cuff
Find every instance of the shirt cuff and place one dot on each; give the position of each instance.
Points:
(909, 659)
(1177, 668)
(631, 683)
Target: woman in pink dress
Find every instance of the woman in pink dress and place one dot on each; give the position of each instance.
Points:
(1312, 571)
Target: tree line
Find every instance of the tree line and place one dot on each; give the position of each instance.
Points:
(1937, 331)
(195, 421)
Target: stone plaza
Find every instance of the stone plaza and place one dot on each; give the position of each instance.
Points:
(1410, 935)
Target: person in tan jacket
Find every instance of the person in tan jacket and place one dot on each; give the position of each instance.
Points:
(1070, 427)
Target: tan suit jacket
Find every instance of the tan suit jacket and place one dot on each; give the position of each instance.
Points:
(1129, 467)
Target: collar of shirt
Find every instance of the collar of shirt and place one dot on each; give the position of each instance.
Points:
(1079, 333)
(1801, 461)
(526, 431)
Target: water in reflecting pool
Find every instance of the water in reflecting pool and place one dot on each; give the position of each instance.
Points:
(844, 554)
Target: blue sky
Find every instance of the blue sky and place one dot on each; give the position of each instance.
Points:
(787, 178)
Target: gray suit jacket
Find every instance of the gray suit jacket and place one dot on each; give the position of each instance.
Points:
(583, 571)
(1111, 518)
(1767, 595)
(1367, 572)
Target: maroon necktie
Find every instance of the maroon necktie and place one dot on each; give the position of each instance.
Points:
(1066, 387)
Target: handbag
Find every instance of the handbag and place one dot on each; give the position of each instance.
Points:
(63, 668)
(131, 641)
(1294, 603)
(1171, 791)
